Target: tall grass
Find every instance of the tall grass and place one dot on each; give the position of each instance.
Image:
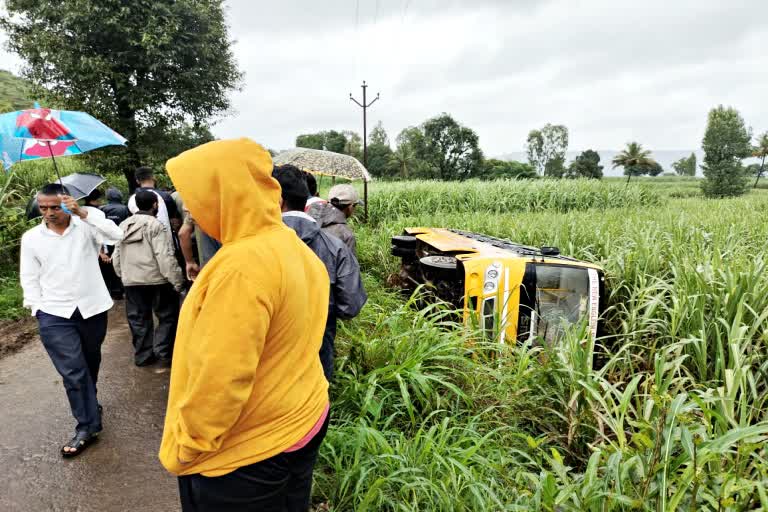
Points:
(390, 200)
(667, 412)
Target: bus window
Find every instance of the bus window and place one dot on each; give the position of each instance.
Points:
(561, 297)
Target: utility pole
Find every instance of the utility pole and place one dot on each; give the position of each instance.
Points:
(364, 105)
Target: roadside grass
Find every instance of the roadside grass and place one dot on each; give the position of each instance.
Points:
(11, 297)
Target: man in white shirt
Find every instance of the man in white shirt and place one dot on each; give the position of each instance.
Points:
(166, 206)
(64, 289)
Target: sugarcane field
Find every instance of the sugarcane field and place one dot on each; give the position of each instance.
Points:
(383, 256)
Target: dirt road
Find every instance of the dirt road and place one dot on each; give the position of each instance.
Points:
(118, 473)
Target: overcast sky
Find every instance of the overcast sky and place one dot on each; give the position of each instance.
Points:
(611, 70)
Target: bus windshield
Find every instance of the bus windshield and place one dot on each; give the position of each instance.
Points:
(562, 297)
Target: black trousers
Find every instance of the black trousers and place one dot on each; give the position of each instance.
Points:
(282, 483)
(149, 341)
(114, 285)
(74, 346)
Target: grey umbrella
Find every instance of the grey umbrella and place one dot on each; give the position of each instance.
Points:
(326, 163)
(79, 185)
(322, 162)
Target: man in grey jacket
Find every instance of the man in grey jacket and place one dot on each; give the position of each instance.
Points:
(145, 262)
(332, 216)
(347, 293)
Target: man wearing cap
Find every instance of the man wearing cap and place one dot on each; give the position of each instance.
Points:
(332, 216)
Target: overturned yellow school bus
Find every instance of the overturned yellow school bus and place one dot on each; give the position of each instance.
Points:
(517, 293)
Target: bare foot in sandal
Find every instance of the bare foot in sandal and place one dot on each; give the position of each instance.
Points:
(78, 444)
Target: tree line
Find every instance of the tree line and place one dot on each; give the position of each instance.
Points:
(441, 148)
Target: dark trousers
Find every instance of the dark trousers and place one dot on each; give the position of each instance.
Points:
(74, 346)
(282, 483)
(150, 342)
(327, 350)
(114, 285)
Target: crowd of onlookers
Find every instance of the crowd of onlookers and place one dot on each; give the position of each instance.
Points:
(163, 250)
(235, 280)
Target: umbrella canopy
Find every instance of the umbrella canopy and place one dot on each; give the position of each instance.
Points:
(327, 163)
(79, 185)
(45, 133)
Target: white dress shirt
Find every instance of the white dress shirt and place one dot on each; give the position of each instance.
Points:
(162, 210)
(60, 273)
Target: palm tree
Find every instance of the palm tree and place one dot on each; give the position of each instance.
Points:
(634, 156)
(761, 151)
(403, 158)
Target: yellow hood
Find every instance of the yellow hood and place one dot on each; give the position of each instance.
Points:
(236, 172)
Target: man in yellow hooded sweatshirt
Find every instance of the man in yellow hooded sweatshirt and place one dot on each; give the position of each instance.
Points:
(248, 402)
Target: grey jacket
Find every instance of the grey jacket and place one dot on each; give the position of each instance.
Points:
(347, 293)
(146, 255)
(333, 222)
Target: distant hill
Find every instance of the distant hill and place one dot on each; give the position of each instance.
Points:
(14, 93)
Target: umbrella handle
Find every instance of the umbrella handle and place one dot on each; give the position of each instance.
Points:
(56, 168)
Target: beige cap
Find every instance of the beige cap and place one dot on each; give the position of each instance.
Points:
(344, 194)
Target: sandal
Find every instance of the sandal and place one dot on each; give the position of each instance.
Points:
(80, 442)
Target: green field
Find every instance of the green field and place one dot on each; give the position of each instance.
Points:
(667, 413)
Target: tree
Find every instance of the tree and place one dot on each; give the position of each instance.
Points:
(654, 169)
(335, 141)
(311, 140)
(635, 160)
(546, 149)
(354, 145)
(586, 165)
(136, 66)
(401, 160)
(726, 142)
(378, 135)
(501, 169)
(379, 152)
(451, 148)
(159, 142)
(555, 168)
(685, 166)
(412, 154)
(761, 151)
(330, 140)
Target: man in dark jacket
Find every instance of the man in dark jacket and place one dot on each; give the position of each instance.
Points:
(117, 212)
(347, 293)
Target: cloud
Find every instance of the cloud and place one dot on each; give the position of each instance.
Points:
(610, 71)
